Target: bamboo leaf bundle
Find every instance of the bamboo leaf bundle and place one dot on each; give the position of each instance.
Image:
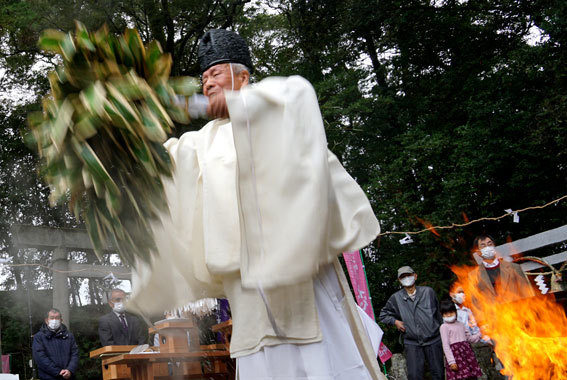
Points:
(101, 133)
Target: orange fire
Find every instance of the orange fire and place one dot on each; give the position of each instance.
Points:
(530, 333)
(429, 226)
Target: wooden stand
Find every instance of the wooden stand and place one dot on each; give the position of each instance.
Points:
(175, 335)
(143, 366)
(178, 336)
(180, 355)
(113, 371)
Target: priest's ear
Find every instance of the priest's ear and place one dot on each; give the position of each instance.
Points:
(241, 74)
(245, 77)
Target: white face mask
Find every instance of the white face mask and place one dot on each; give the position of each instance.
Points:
(460, 298)
(408, 281)
(54, 324)
(488, 252)
(118, 307)
(450, 319)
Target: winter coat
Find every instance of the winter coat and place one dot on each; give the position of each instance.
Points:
(421, 316)
(54, 351)
(512, 283)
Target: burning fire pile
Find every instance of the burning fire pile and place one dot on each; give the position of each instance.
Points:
(530, 333)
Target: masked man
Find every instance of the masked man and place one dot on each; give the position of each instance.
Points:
(119, 327)
(259, 211)
(498, 278)
(54, 349)
(414, 310)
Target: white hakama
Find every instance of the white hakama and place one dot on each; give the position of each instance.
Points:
(336, 357)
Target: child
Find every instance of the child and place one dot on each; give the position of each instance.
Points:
(460, 362)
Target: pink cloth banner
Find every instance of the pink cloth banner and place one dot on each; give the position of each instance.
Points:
(358, 280)
(355, 267)
(5, 363)
(384, 353)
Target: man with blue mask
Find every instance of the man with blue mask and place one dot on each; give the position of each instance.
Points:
(494, 274)
(414, 310)
(119, 327)
(259, 210)
(54, 349)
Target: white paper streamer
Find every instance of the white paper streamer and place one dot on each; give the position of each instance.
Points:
(539, 280)
(202, 307)
(406, 240)
(514, 215)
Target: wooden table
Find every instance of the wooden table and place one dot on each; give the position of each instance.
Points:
(177, 358)
(116, 371)
(143, 366)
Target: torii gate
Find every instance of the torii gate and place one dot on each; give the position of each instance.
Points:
(61, 241)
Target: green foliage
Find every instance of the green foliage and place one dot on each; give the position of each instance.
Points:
(101, 133)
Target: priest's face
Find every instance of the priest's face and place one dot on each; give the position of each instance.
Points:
(219, 77)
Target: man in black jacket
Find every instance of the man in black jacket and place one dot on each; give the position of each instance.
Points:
(414, 310)
(119, 327)
(54, 349)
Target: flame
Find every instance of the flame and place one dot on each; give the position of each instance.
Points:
(429, 226)
(530, 333)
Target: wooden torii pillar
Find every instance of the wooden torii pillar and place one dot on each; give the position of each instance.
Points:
(61, 241)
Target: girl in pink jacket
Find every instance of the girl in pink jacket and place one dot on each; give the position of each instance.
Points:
(460, 361)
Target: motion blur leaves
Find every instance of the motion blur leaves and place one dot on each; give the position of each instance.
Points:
(101, 133)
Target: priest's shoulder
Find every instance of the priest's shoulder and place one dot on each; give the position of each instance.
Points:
(285, 85)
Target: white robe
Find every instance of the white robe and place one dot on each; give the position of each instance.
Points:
(256, 203)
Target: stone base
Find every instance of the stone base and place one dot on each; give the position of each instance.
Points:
(398, 370)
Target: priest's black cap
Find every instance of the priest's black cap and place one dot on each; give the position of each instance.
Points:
(223, 46)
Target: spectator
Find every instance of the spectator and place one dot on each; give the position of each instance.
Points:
(495, 275)
(119, 327)
(497, 280)
(460, 361)
(464, 314)
(54, 349)
(414, 311)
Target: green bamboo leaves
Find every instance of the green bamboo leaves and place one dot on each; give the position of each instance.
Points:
(101, 133)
